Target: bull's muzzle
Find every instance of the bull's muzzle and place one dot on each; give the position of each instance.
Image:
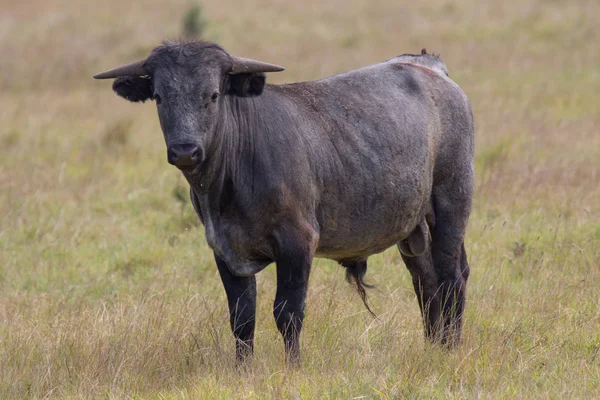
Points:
(184, 156)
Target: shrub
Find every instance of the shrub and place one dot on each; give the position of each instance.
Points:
(194, 22)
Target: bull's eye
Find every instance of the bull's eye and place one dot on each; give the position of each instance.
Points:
(156, 98)
(214, 96)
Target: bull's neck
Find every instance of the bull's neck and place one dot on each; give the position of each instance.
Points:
(231, 150)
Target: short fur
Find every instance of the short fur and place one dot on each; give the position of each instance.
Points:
(340, 168)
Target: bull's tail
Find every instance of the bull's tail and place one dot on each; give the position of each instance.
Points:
(355, 274)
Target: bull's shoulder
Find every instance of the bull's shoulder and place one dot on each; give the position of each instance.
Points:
(423, 60)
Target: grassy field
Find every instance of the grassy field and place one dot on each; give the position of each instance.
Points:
(108, 289)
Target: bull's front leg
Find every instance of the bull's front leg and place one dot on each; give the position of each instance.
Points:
(294, 257)
(241, 297)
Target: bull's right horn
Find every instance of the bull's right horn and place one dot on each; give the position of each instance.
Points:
(241, 65)
(131, 69)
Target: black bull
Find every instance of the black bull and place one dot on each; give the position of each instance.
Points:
(340, 168)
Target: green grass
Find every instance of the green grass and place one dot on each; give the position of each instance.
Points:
(108, 289)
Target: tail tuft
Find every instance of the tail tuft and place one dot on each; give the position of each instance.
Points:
(355, 273)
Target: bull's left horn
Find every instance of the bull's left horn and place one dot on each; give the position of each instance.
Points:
(131, 69)
(245, 65)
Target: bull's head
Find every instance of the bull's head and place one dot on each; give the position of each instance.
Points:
(188, 80)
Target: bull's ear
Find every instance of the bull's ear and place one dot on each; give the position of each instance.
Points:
(133, 88)
(246, 84)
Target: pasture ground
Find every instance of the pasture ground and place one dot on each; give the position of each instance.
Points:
(108, 290)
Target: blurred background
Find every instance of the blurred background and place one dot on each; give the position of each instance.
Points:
(107, 286)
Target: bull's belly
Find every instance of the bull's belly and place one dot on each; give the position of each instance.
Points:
(363, 237)
(374, 217)
(357, 248)
(338, 253)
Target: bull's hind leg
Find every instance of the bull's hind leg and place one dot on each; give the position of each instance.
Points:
(440, 274)
(425, 282)
(449, 260)
(241, 297)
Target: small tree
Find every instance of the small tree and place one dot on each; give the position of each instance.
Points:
(194, 22)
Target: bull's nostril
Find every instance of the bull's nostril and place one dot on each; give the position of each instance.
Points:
(184, 155)
(171, 156)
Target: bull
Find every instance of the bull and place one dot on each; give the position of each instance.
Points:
(338, 168)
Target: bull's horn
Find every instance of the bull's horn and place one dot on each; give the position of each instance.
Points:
(244, 65)
(131, 69)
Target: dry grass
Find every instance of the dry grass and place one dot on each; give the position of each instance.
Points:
(107, 288)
